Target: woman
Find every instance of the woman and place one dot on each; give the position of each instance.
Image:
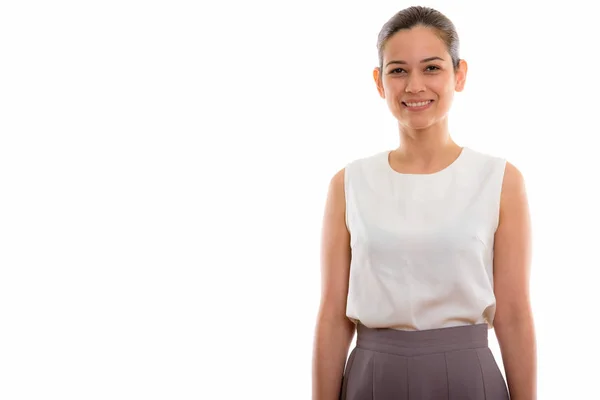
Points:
(424, 247)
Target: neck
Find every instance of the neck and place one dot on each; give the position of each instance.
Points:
(425, 144)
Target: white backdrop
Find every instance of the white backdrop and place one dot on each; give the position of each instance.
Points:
(164, 167)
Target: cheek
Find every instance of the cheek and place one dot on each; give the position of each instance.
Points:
(393, 86)
(449, 93)
(442, 86)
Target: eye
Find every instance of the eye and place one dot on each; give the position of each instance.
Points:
(397, 69)
(432, 68)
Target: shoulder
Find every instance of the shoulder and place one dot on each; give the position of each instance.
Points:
(367, 159)
(513, 185)
(340, 178)
(513, 181)
(336, 183)
(487, 158)
(366, 165)
(509, 183)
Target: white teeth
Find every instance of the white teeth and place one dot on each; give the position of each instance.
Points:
(420, 104)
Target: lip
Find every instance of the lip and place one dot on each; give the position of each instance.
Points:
(417, 108)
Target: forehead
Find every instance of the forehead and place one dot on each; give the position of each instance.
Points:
(415, 44)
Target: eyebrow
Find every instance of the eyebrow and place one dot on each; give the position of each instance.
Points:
(423, 61)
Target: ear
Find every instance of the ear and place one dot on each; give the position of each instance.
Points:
(378, 81)
(461, 75)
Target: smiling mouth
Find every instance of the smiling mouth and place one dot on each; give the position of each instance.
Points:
(418, 104)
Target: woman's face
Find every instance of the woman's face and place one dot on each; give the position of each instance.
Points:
(417, 79)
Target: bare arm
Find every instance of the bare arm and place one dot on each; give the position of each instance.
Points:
(513, 322)
(333, 331)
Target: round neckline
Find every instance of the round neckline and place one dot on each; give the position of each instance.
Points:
(386, 159)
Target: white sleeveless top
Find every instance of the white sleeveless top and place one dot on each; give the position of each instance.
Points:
(422, 244)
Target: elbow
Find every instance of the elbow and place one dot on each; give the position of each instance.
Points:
(513, 317)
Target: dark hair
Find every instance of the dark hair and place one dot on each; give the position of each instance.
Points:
(420, 16)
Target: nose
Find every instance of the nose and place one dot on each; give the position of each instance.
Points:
(414, 83)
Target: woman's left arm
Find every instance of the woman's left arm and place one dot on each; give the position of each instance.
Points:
(513, 321)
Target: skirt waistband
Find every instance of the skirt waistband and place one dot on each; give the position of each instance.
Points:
(429, 341)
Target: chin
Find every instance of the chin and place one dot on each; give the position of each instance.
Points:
(417, 125)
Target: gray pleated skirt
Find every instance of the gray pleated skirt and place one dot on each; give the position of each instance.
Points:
(448, 363)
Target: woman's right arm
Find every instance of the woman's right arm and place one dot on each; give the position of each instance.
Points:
(333, 331)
